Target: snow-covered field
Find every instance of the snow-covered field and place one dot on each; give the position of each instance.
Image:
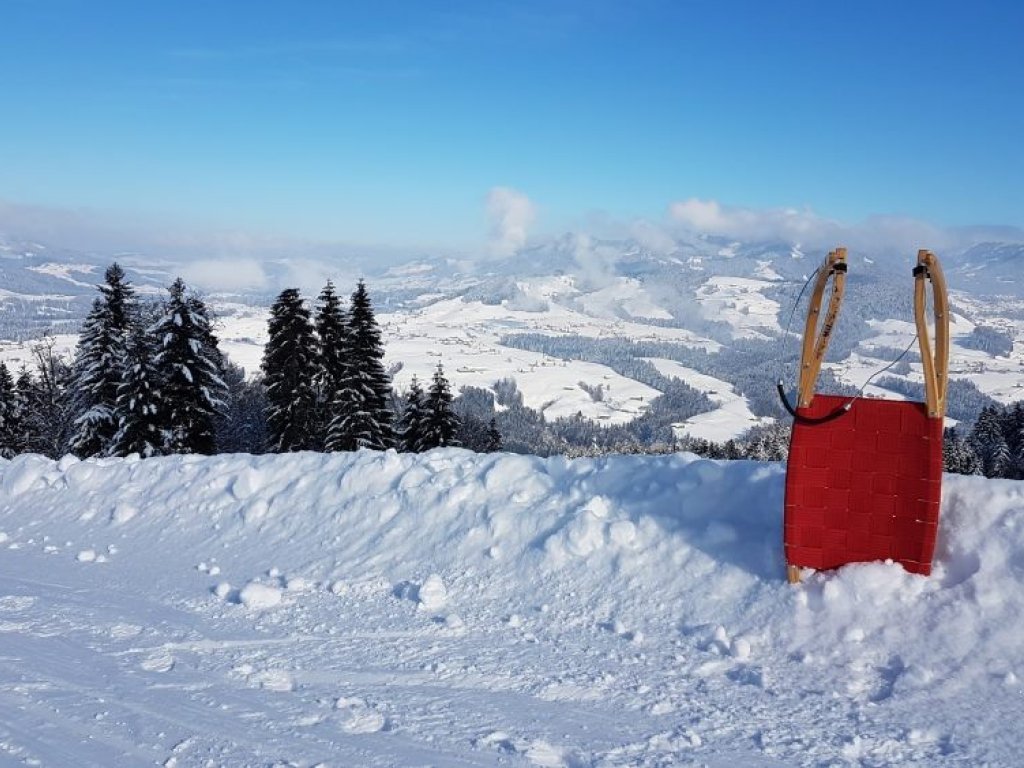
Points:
(1000, 377)
(15, 354)
(453, 609)
(728, 421)
(65, 272)
(464, 335)
(739, 302)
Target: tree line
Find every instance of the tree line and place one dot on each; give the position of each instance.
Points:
(150, 379)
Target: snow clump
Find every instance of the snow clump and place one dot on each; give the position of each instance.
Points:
(256, 595)
(432, 593)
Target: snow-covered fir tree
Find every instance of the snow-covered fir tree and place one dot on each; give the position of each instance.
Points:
(362, 416)
(242, 424)
(290, 365)
(1015, 438)
(26, 439)
(411, 424)
(958, 454)
(989, 443)
(332, 333)
(99, 364)
(494, 443)
(442, 423)
(767, 443)
(189, 362)
(10, 415)
(140, 426)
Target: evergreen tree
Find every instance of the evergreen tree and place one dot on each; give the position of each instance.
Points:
(411, 425)
(139, 423)
(25, 438)
(289, 369)
(442, 424)
(332, 333)
(99, 363)
(493, 444)
(1014, 431)
(362, 417)
(189, 361)
(988, 442)
(9, 416)
(731, 450)
(242, 424)
(954, 457)
(768, 443)
(50, 404)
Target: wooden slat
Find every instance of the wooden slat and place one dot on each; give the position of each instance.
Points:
(935, 365)
(816, 339)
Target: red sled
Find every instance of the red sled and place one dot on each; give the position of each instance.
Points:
(864, 476)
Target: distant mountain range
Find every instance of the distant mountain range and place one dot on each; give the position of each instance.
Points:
(30, 269)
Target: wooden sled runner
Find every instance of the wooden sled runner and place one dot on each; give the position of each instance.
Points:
(864, 476)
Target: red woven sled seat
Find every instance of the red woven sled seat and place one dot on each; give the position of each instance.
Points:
(865, 486)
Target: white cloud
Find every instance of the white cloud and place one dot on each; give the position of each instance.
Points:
(213, 259)
(310, 275)
(230, 274)
(652, 236)
(804, 226)
(511, 214)
(711, 217)
(596, 262)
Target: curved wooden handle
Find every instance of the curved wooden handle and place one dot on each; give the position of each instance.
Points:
(936, 367)
(815, 340)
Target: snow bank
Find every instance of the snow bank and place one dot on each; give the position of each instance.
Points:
(642, 595)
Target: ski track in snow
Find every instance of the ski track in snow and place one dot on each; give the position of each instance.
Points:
(468, 610)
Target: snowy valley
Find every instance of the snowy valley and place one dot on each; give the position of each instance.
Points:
(600, 329)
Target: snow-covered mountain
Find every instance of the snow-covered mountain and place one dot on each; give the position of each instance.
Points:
(451, 608)
(704, 310)
(991, 267)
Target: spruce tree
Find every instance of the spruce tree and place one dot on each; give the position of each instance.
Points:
(242, 424)
(9, 416)
(289, 369)
(189, 362)
(362, 416)
(494, 443)
(442, 424)
(411, 425)
(26, 438)
(954, 457)
(99, 363)
(140, 427)
(988, 442)
(1015, 438)
(332, 333)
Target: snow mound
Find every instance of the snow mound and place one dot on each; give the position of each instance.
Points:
(611, 611)
(256, 595)
(356, 716)
(432, 594)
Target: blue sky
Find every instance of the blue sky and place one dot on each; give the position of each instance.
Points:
(387, 122)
